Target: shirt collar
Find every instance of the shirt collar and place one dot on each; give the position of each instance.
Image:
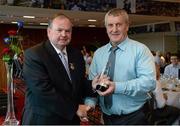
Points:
(121, 46)
(175, 65)
(61, 52)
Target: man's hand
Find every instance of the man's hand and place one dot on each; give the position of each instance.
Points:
(105, 80)
(82, 112)
(99, 79)
(95, 82)
(110, 90)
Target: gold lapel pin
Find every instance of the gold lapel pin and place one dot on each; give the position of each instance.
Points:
(71, 66)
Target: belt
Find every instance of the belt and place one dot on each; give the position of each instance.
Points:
(124, 115)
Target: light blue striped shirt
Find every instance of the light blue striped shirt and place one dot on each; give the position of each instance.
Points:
(172, 70)
(134, 76)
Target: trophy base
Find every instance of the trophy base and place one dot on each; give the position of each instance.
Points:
(101, 87)
(11, 122)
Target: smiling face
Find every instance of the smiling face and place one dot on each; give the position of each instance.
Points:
(117, 25)
(174, 60)
(59, 32)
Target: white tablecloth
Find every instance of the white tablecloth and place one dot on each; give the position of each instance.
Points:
(173, 98)
(172, 89)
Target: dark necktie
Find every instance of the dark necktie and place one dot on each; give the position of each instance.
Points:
(110, 66)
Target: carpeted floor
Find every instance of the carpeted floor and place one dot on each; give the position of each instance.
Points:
(94, 117)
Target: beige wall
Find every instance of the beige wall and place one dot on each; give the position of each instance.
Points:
(163, 42)
(171, 43)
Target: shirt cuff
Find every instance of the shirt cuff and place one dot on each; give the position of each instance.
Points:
(90, 101)
(120, 87)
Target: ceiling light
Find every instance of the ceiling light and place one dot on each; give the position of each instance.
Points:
(91, 25)
(28, 16)
(92, 20)
(14, 22)
(43, 23)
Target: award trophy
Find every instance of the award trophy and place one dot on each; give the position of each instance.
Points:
(103, 87)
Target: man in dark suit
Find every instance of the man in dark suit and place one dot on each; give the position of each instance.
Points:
(54, 90)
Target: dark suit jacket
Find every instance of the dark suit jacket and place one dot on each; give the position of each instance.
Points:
(49, 90)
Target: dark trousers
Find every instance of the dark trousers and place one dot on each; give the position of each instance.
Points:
(30, 118)
(135, 118)
(166, 115)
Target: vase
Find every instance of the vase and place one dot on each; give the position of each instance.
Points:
(10, 118)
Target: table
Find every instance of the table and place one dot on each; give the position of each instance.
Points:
(172, 89)
(173, 98)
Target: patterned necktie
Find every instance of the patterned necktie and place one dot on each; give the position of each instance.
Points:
(65, 63)
(110, 66)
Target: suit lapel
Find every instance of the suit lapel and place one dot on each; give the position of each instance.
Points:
(72, 65)
(56, 60)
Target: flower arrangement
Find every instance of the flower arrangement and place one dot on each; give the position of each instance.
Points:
(10, 57)
(13, 45)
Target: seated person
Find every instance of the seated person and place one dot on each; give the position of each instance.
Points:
(171, 70)
(163, 114)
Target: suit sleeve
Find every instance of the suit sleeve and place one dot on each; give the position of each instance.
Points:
(36, 76)
(86, 84)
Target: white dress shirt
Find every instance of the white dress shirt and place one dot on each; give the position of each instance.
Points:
(172, 70)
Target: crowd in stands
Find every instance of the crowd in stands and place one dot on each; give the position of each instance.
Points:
(148, 7)
(80, 5)
(145, 7)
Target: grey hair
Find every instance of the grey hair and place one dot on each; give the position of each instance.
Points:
(116, 12)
